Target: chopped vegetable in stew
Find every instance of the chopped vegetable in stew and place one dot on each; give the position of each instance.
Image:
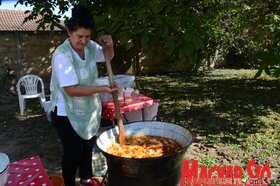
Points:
(145, 147)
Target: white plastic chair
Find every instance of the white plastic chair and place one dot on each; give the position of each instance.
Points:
(29, 84)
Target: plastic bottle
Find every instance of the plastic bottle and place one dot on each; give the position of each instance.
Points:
(99, 163)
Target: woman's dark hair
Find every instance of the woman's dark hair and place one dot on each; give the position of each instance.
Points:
(81, 17)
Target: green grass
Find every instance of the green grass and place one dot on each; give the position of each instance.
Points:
(227, 109)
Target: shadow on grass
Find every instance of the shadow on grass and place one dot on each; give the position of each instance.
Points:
(28, 135)
(230, 108)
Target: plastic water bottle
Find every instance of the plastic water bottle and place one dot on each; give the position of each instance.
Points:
(99, 164)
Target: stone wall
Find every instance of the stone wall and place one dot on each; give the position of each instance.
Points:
(30, 52)
(156, 62)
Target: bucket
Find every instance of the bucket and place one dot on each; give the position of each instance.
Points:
(57, 180)
(121, 80)
(157, 171)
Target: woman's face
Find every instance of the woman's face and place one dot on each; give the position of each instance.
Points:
(79, 38)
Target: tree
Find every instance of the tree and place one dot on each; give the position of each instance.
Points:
(246, 28)
(185, 30)
(137, 26)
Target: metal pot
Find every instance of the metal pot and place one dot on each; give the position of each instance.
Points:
(4, 165)
(158, 171)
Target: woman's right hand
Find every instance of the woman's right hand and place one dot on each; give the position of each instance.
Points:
(109, 90)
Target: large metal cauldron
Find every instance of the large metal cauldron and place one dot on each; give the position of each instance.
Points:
(160, 171)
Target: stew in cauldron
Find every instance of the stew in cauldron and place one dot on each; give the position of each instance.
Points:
(145, 147)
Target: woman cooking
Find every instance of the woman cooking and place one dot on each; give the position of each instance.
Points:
(75, 104)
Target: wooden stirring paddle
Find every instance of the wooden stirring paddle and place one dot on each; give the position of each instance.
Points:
(122, 137)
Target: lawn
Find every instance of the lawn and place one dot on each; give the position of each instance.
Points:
(234, 118)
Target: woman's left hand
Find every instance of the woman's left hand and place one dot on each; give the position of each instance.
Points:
(108, 41)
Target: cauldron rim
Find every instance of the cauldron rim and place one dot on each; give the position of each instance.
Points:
(183, 150)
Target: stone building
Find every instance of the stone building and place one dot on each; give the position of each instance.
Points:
(27, 49)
